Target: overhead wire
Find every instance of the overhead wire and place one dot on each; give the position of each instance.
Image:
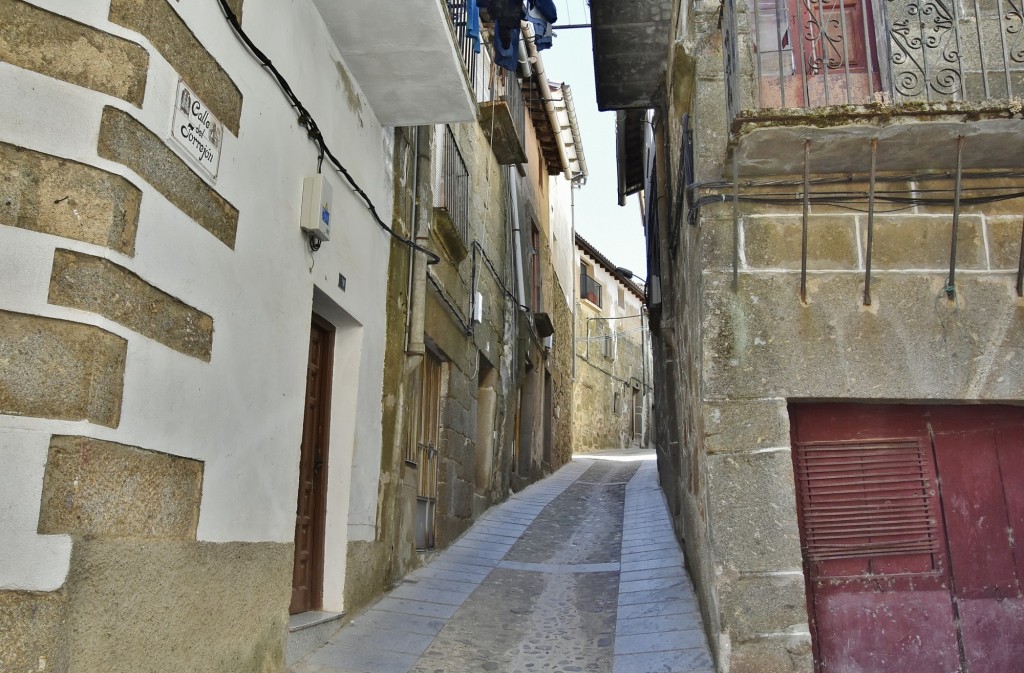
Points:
(306, 120)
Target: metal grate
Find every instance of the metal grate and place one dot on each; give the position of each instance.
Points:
(865, 500)
(451, 181)
(818, 53)
(459, 15)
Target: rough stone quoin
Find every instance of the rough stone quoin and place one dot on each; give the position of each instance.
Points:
(124, 140)
(148, 605)
(161, 25)
(102, 489)
(50, 195)
(53, 368)
(33, 631)
(57, 47)
(95, 284)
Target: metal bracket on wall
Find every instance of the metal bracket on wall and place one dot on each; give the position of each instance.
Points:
(807, 208)
(951, 283)
(871, 222)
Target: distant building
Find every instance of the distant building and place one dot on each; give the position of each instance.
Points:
(613, 397)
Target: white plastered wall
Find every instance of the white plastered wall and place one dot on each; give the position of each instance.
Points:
(241, 413)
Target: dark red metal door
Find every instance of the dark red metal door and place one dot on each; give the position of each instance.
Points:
(908, 518)
(980, 456)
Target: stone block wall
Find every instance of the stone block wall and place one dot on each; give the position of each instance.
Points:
(731, 359)
(602, 407)
(154, 326)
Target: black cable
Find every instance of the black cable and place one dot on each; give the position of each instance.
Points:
(466, 327)
(313, 131)
(497, 277)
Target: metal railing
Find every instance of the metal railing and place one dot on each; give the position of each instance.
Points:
(511, 92)
(590, 289)
(818, 53)
(459, 15)
(451, 186)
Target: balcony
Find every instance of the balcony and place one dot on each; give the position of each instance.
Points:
(590, 289)
(631, 44)
(839, 73)
(412, 63)
(503, 119)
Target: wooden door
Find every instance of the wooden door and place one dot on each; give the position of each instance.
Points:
(423, 449)
(908, 517)
(307, 574)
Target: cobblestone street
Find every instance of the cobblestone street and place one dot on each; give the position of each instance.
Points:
(579, 572)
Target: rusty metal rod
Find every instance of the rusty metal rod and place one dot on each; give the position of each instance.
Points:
(871, 223)
(1020, 265)
(951, 283)
(807, 207)
(735, 222)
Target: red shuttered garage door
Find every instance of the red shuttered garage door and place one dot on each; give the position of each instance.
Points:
(908, 518)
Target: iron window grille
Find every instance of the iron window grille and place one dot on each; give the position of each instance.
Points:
(451, 188)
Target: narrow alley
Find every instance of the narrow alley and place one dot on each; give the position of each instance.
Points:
(579, 572)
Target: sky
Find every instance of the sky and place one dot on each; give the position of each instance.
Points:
(616, 231)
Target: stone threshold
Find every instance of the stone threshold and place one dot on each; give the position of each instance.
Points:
(306, 620)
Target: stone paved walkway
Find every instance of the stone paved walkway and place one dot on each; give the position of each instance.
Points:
(579, 572)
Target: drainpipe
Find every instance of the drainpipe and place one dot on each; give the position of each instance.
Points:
(576, 273)
(517, 239)
(524, 60)
(570, 110)
(530, 38)
(422, 210)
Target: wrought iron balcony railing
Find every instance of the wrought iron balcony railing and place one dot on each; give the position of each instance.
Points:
(818, 53)
(459, 14)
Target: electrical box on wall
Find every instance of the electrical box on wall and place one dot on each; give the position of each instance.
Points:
(478, 307)
(317, 206)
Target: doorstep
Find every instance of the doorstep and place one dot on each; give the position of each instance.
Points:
(309, 631)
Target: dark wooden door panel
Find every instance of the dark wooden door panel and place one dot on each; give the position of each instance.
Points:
(307, 573)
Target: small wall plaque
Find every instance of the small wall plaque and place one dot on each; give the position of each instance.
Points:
(196, 131)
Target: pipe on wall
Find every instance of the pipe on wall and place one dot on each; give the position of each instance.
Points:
(424, 203)
(530, 38)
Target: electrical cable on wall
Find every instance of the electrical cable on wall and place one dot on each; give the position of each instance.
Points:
(899, 200)
(313, 131)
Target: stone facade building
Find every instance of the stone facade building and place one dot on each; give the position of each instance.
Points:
(217, 427)
(834, 238)
(613, 357)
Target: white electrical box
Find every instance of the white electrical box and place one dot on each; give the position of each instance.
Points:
(317, 206)
(478, 307)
